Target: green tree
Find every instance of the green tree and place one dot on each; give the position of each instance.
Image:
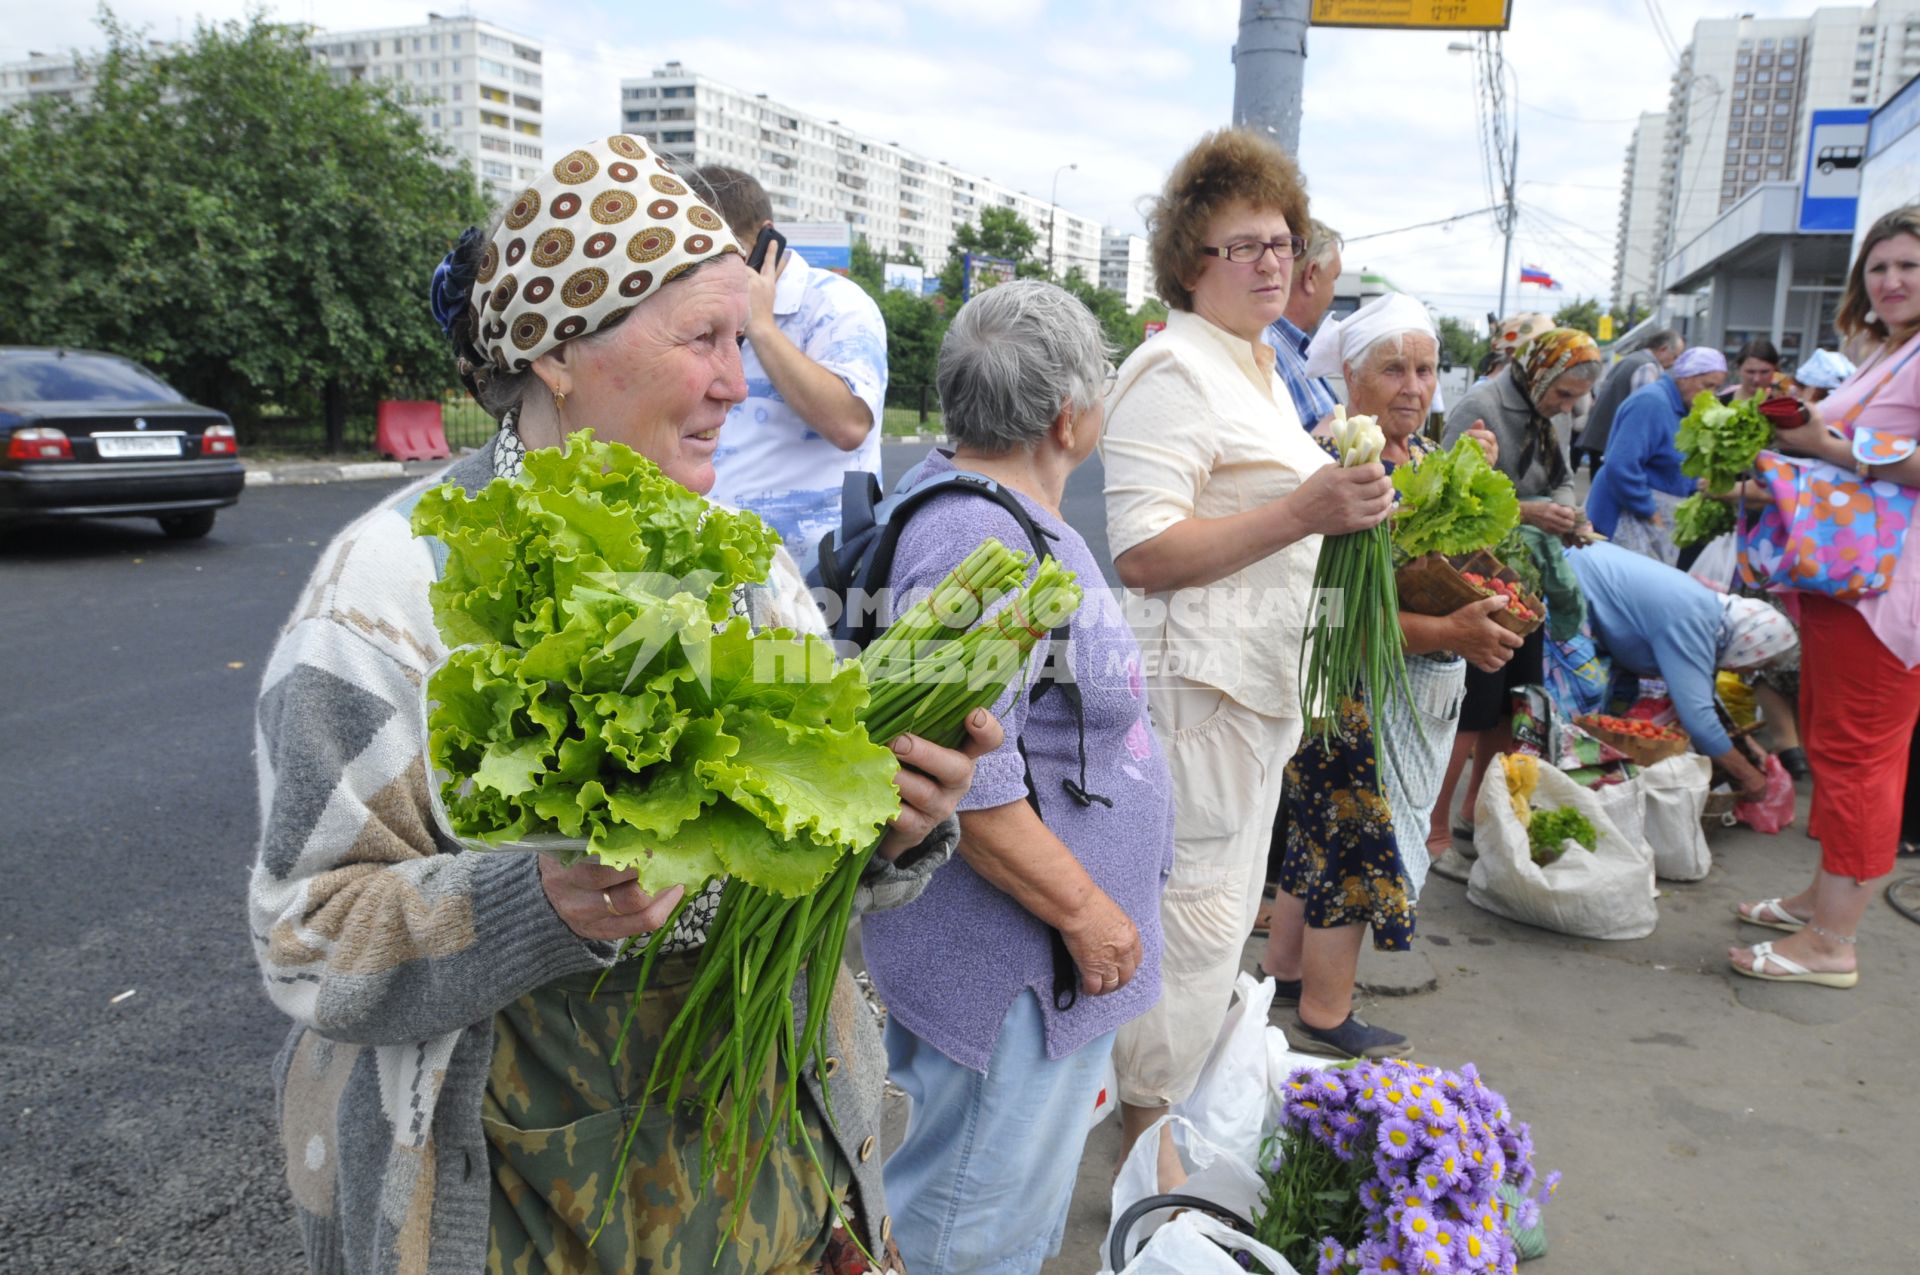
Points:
(230, 216)
(1625, 316)
(866, 267)
(1461, 344)
(1582, 313)
(915, 326)
(1001, 232)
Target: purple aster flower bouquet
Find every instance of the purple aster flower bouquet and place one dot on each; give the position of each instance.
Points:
(1395, 1167)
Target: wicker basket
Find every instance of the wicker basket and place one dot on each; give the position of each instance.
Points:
(1433, 585)
(1643, 752)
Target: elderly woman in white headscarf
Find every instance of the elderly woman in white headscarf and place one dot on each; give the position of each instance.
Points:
(1356, 852)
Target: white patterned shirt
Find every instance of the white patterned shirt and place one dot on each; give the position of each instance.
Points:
(769, 460)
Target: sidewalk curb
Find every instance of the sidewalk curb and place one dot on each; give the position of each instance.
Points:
(309, 472)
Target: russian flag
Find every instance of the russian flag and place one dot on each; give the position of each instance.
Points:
(1535, 275)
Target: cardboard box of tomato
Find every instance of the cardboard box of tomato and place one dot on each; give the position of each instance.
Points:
(1643, 741)
(1436, 585)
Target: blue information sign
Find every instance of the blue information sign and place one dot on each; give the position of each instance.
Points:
(1830, 179)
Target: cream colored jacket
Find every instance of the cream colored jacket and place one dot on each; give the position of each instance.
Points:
(1200, 426)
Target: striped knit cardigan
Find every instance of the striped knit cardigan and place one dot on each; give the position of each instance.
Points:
(391, 948)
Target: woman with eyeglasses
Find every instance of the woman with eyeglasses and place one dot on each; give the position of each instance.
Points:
(1217, 500)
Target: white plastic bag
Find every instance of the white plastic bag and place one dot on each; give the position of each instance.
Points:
(1676, 797)
(1716, 564)
(1626, 804)
(1212, 1175)
(1228, 1105)
(1606, 893)
(1191, 1244)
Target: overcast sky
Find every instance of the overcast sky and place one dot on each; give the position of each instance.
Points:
(1014, 88)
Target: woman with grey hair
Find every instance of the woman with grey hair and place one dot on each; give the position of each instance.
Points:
(1068, 830)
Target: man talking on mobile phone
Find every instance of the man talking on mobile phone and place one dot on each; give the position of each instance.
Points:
(816, 365)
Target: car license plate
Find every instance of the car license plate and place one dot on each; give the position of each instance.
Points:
(122, 446)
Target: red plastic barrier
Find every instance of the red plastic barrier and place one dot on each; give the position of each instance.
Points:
(410, 431)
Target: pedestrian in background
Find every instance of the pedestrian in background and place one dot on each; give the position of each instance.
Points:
(1068, 830)
(816, 367)
(1633, 372)
(1552, 370)
(1309, 297)
(1756, 372)
(1633, 498)
(1212, 484)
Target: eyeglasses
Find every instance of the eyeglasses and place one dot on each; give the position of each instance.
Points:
(1248, 251)
(1112, 379)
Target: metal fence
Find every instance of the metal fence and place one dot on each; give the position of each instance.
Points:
(465, 425)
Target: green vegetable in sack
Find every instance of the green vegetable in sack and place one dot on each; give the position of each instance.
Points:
(1452, 502)
(1549, 831)
(1719, 441)
(1700, 517)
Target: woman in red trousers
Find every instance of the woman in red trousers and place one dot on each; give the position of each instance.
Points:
(1860, 661)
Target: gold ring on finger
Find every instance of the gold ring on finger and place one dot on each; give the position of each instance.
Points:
(606, 897)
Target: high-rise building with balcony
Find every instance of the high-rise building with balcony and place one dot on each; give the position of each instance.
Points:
(1738, 114)
(476, 86)
(821, 170)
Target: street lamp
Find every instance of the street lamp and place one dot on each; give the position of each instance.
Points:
(1511, 174)
(1053, 210)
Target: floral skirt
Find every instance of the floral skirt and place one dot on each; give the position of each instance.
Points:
(1342, 859)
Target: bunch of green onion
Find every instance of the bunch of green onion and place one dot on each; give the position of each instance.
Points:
(1354, 641)
(927, 673)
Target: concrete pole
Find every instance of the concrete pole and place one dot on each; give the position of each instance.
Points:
(1269, 67)
(1782, 289)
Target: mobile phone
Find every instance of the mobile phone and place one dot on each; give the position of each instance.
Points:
(768, 235)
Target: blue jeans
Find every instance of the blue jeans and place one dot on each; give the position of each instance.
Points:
(983, 1181)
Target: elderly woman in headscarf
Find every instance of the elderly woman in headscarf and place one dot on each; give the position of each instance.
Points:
(1356, 853)
(1657, 621)
(1634, 494)
(1552, 371)
(451, 1096)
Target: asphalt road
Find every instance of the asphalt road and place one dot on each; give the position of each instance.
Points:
(139, 1133)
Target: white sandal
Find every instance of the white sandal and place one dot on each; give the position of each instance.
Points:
(1772, 914)
(1794, 971)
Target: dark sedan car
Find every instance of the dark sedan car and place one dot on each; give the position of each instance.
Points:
(88, 435)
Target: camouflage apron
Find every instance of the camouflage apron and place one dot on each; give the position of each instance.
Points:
(555, 1111)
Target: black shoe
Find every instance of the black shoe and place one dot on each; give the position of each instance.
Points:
(1795, 761)
(1351, 1039)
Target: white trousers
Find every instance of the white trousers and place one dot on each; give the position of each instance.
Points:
(1228, 764)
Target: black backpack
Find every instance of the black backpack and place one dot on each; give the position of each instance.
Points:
(854, 564)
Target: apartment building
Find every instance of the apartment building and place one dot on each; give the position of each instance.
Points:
(818, 169)
(1739, 109)
(478, 86)
(1123, 266)
(1636, 269)
(475, 85)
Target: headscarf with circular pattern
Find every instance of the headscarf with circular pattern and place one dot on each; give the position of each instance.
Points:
(606, 227)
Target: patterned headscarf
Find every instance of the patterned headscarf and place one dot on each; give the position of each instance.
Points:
(1756, 635)
(606, 228)
(1548, 355)
(1517, 331)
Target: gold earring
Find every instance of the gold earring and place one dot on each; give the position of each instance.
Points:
(559, 401)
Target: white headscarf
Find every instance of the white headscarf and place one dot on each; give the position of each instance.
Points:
(1824, 371)
(1756, 634)
(1340, 342)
